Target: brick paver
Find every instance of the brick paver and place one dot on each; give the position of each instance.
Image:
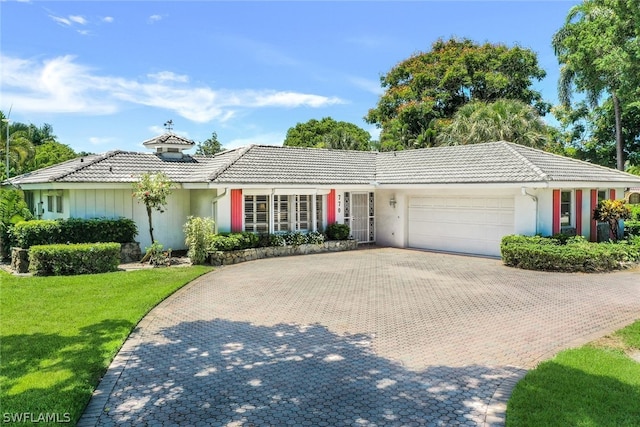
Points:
(384, 337)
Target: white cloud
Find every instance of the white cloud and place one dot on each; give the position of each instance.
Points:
(155, 18)
(60, 85)
(168, 76)
(259, 139)
(96, 140)
(61, 20)
(107, 19)
(78, 19)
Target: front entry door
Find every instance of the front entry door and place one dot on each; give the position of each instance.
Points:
(360, 219)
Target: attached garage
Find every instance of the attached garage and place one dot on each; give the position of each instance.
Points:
(467, 224)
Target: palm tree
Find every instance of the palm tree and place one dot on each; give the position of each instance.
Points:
(21, 149)
(597, 50)
(503, 120)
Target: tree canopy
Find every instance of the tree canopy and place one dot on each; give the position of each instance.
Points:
(429, 87)
(209, 146)
(30, 147)
(599, 53)
(328, 133)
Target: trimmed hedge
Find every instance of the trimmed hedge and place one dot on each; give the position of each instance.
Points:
(577, 254)
(73, 230)
(80, 258)
(337, 231)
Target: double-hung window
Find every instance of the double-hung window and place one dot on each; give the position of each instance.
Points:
(256, 213)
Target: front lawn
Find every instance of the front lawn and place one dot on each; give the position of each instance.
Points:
(594, 385)
(59, 334)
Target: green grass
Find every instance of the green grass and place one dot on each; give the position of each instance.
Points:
(59, 334)
(594, 385)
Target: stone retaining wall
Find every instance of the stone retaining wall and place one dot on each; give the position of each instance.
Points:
(235, 257)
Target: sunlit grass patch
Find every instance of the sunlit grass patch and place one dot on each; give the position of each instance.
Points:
(59, 334)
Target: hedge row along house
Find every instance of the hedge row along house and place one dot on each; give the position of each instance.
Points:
(458, 198)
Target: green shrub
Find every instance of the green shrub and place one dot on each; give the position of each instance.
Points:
(73, 230)
(73, 259)
(198, 232)
(156, 255)
(577, 254)
(632, 228)
(338, 231)
(276, 240)
(38, 232)
(635, 212)
(78, 230)
(246, 240)
(295, 238)
(315, 238)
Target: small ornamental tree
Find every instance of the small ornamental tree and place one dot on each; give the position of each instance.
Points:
(612, 211)
(153, 189)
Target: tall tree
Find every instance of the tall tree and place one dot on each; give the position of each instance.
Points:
(21, 150)
(50, 153)
(328, 133)
(502, 120)
(209, 146)
(431, 86)
(599, 53)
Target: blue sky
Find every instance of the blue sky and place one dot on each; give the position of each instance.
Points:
(108, 74)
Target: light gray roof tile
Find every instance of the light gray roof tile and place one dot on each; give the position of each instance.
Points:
(495, 162)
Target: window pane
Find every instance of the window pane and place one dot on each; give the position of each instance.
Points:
(565, 208)
(602, 195)
(59, 204)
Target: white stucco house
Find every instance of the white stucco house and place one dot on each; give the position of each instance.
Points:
(459, 199)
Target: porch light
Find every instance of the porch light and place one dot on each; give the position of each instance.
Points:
(392, 201)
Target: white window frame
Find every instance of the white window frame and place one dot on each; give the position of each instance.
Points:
(259, 205)
(567, 213)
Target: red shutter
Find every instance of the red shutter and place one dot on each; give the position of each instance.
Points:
(556, 212)
(579, 212)
(331, 207)
(612, 194)
(236, 211)
(594, 224)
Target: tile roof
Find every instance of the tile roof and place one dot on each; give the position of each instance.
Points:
(494, 162)
(295, 165)
(126, 167)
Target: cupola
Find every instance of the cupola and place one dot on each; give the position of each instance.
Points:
(169, 145)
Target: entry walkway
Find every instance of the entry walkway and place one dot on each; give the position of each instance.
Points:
(384, 337)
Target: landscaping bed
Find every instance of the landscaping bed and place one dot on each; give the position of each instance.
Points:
(242, 255)
(569, 254)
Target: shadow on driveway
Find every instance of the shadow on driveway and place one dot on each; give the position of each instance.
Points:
(234, 373)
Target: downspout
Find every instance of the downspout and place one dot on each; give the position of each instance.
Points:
(214, 211)
(523, 190)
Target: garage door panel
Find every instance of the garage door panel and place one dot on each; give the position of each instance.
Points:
(460, 224)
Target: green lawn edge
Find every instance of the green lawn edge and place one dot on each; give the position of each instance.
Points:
(597, 384)
(58, 335)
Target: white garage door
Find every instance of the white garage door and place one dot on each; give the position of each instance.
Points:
(473, 225)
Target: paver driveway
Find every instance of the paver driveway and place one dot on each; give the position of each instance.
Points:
(369, 337)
